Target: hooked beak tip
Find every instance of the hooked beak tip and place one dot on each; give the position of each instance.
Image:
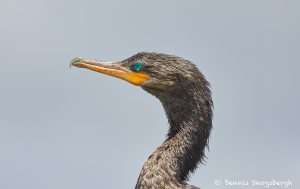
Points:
(76, 62)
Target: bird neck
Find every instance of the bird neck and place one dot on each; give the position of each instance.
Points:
(190, 121)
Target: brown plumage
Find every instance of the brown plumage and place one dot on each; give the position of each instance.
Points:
(185, 95)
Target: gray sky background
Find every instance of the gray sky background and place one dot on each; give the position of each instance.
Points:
(72, 128)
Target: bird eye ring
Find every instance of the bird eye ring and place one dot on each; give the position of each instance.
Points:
(138, 66)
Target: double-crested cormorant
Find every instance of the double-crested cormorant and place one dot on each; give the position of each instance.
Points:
(185, 95)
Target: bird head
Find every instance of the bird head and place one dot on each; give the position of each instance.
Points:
(158, 74)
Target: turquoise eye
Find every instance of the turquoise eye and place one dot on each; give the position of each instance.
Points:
(138, 66)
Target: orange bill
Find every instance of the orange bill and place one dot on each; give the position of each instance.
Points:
(135, 78)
